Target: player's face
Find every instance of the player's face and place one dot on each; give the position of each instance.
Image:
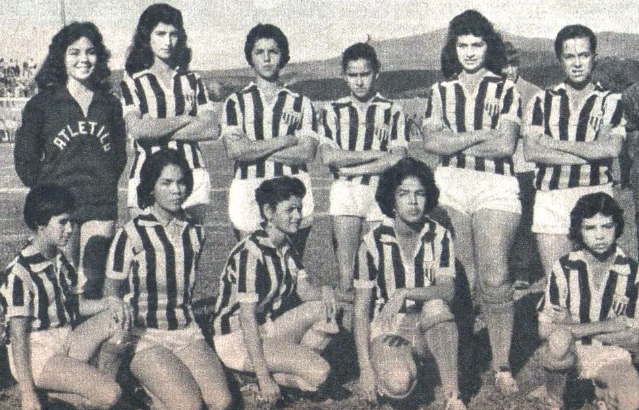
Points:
(164, 39)
(80, 59)
(471, 52)
(58, 230)
(287, 215)
(511, 72)
(598, 234)
(265, 58)
(577, 60)
(170, 190)
(361, 77)
(410, 201)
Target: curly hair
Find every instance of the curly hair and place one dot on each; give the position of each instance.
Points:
(472, 22)
(267, 31)
(574, 31)
(140, 56)
(53, 71)
(393, 177)
(152, 169)
(273, 191)
(590, 205)
(363, 51)
(44, 202)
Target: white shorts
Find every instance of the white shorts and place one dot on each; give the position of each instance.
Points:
(231, 348)
(349, 198)
(43, 345)
(244, 212)
(173, 340)
(551, 214)
(468, 191)
(591, 358)
(201, 194)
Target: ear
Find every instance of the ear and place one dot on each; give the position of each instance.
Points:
(268, 211)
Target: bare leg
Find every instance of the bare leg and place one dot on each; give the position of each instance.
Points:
(464, 246)
(294, 365)
(442, 343)
(552, 247)
(95, 240)
(347, 232)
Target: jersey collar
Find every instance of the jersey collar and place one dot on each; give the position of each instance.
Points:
(620, 264)
(283, 88)
(387, 230)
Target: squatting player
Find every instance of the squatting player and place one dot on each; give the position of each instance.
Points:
(269, 131)
(364, 134)
(573, 133)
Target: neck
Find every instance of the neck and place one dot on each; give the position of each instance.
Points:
(474, 75)
(602, 257)
(268, 85)
(579, 87)
(277, 237)
(161, 66)
(363, 100)
(75, 87)
(167, 216)
(41, 245)
(406, 229)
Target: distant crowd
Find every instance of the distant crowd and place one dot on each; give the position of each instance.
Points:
(15, 77)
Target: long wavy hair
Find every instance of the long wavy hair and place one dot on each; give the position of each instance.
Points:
(140, 56)
(474, 23)
(53, 71)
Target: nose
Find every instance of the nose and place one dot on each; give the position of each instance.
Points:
(578, 61)
(68, 228)
(297, 214)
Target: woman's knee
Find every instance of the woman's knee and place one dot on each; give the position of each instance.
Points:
(317, 372)
(107, 396)
(218, 400)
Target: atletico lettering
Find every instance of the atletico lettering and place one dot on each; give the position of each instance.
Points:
(81, 128)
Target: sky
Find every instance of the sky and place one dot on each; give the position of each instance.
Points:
(317, 29)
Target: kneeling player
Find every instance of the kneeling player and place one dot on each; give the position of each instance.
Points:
(260, 324)
(588, 316)
(406, 266)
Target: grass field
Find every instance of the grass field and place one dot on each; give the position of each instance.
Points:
(319, 259)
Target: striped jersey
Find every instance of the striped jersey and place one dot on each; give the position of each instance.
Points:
(41, 289)
(257, 272)
(146, 95)
(159, 260)
(453, 107)
(380, 127)
(570, 286)
(249, 113)
(555, 116)
(380, 263)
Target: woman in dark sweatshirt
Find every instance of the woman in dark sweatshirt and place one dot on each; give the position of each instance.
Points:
(73, 135)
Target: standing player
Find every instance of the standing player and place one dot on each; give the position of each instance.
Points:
(269, 131)
(630, 100)
(524, 256)
(151, 275)
(405, 270)
(589, 316)
(573, 133)
(260, 324)
(166, 106)
(364, 135)
(472, 122)
(73, 135)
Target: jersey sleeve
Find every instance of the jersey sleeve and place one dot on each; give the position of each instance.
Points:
(121, 256)
(365, 269)
(534, 117)
(75, 283)
(17, 294)
(130, 97)
(553, 306)
(444, 265)
(245, 269)
(202, 95)
(433, 117)
(328, 127)
(613, 115)
(232, 119)
(309, 122)
(510, 104)
(28, 149)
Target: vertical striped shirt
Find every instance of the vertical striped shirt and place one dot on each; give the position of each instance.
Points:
(257, 272)
(380, 127)
(453, 107)
(40, 289)
(159, 260)
(146, 95)
(248, 112)
(570, 286)
(555, 116)
(380, 263)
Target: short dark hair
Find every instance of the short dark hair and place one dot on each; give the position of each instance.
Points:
(363, 51)
(273, 191)
(152, 169)
(512, 54)
(267, 31)
(140, 56)
(44, 202)
(472, 22)
(574, 31)
(53, 70)
(393, 178)
(590, 205)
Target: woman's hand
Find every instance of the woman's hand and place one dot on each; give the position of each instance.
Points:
(121, 312)
(388, 314)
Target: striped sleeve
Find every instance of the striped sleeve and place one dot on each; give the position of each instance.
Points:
(249, 265)
(534, 117)
(510, 104)
(308, 126)
(74, 282)
(552, 307)
(130, 97)
(399, 138)
(232, 117)
(202, 95)
(445, 262)
(434, 111)
(328, 129)
(365, 271)
(120, 256)
(613, 115)
(17, 294)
